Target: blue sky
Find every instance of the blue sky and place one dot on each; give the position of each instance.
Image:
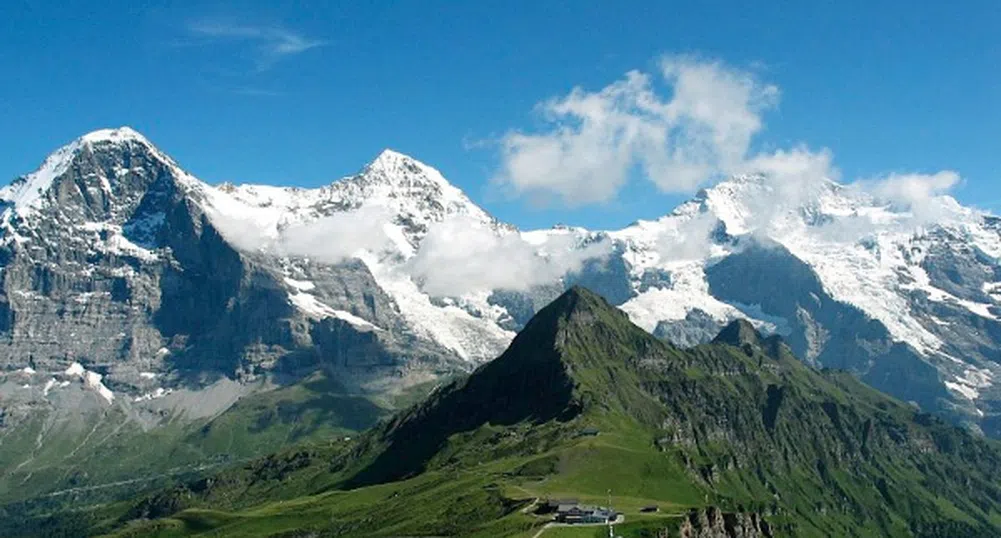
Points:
(303, 95)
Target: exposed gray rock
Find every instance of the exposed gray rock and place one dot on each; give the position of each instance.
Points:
(714, 523)
(697, 328)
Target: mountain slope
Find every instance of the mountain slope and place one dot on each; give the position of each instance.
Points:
(739, 426)
(127, 315)
(750, 423)
(853, 281)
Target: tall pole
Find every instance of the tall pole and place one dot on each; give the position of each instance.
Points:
(611, 519)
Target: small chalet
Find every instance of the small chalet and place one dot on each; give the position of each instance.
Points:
(553, 505)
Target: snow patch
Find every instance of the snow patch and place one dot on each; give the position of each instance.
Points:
(301, 285)
(923, 283)
(160, 392)
(689, 291)
(353, 320)
(28, 370)
(971, 382)
(312, 307)
(27, 195)
(115, 241)
(966, 391)
(474, 339)
(91, 379)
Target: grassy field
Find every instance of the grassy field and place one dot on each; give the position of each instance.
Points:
(493, 499)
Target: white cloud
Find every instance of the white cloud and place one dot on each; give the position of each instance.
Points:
(271, 43)
(330, 239)
(793, 178)
(796, 173)
(925, 197)
(334, 238)
(691, 241)
(913, 189)
(698, 131)
(595, 139)
(460, 256)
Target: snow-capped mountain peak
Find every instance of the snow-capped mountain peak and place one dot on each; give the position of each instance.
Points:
(120, 135)
(27, 194)
(393, 175)
(391, 164)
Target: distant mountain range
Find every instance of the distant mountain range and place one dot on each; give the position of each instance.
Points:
(137, 301)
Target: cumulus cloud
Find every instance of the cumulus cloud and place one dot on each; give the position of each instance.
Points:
(330, 239)
(793, 178)
(690, 123)
(918, 193)
(690, 241)
(334, 238)
(461, 255)
(702, 130)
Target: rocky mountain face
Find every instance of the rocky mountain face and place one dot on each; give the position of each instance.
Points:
(121, 301)
(127, 283)
(711, 523)
(111, 260)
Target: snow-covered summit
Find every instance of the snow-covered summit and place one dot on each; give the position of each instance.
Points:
(409, 186)
(26, 194)
(116, 136)
(407, 194)
(393, 166)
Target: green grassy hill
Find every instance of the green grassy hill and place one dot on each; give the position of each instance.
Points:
(734, 434)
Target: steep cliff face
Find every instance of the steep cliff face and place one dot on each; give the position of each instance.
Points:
(126, 306)
(114, 262)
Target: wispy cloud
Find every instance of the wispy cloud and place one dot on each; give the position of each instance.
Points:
(255, 92)
(271, 44)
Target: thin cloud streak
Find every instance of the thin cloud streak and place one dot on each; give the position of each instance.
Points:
(272, 43)
(256, 92)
